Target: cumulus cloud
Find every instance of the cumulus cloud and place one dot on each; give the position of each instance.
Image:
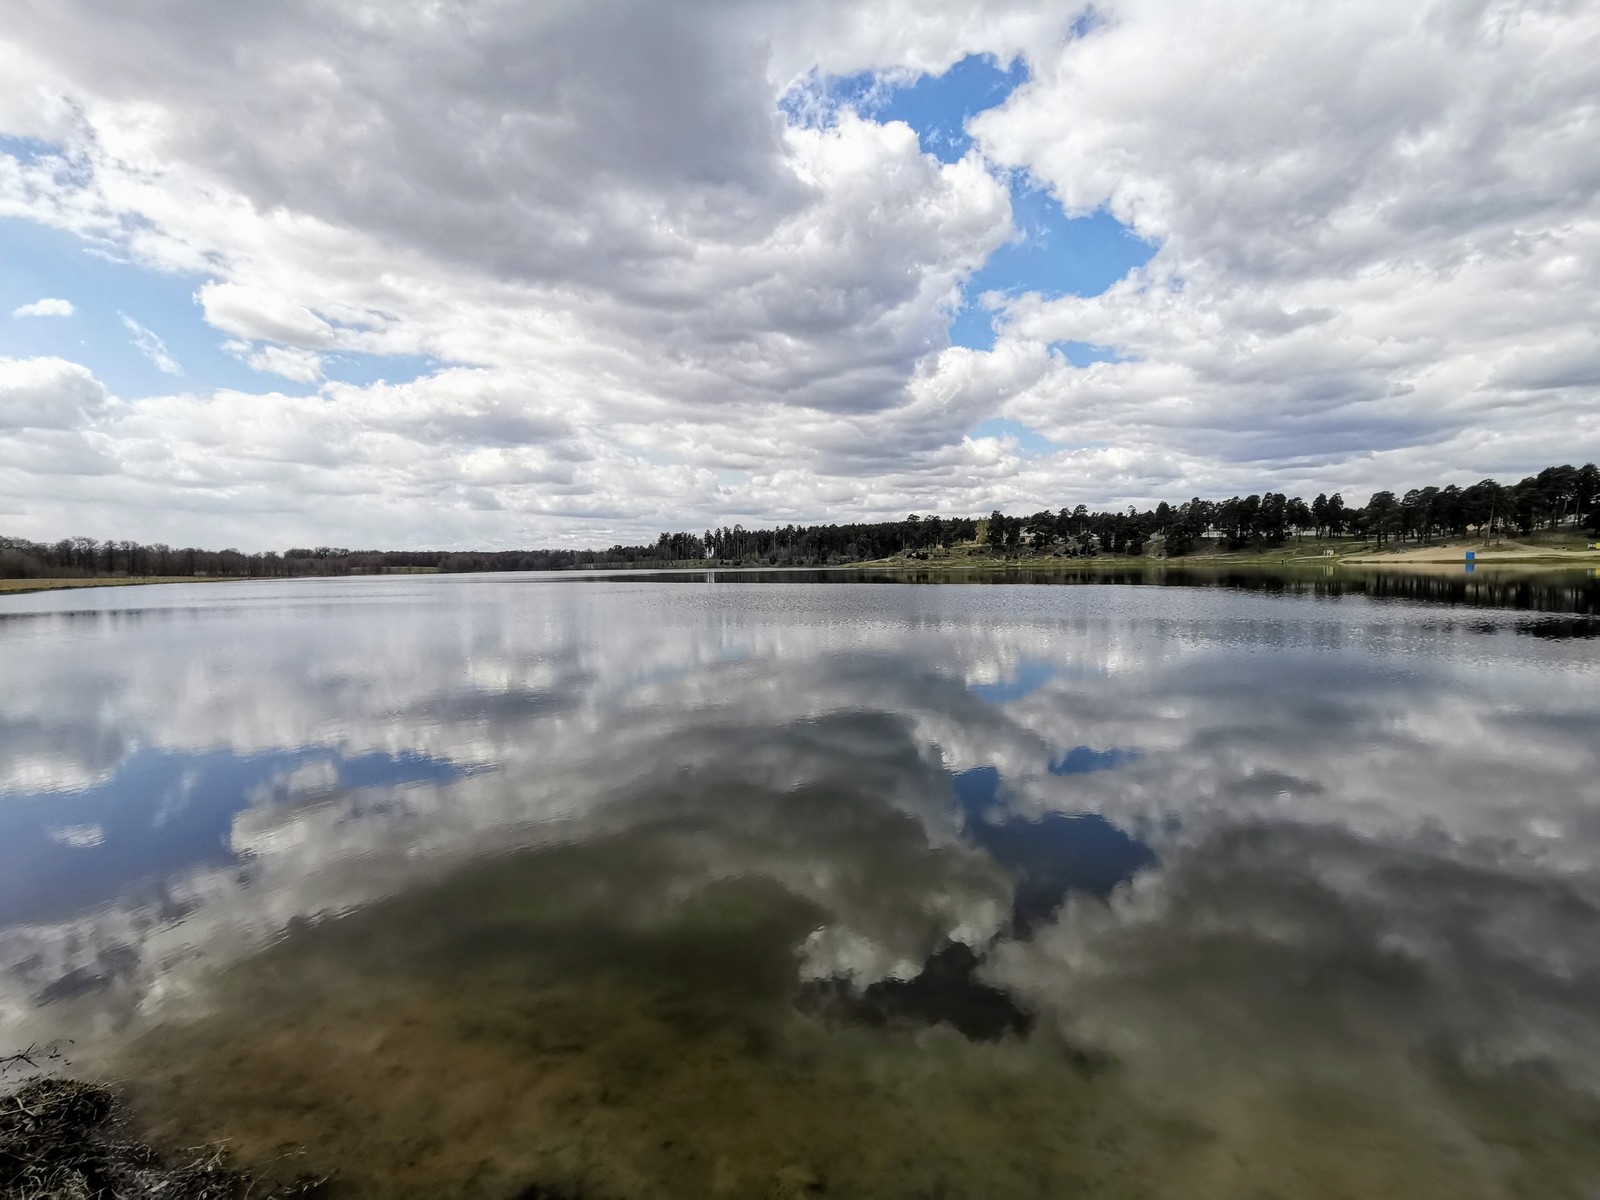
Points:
(1370, 231)
(45, 308)
(1379, 244)
(47, 393)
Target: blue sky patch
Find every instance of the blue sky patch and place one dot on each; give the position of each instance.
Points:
(38, 262)
(1082, 354)
(346, 366)
(1055, 255)
(938, 106)
(1031, 441)
(1085, 760)
(26, 150)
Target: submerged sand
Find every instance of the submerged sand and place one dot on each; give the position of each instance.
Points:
(515, 1032)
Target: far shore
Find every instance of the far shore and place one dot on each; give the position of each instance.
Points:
(1500, 553)
(16, 587)
(1507, 554)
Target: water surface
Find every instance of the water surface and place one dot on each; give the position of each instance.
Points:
(761, 885)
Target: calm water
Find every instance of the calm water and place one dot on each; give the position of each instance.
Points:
(707, 886)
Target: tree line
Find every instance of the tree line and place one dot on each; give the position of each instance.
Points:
(1557, 497)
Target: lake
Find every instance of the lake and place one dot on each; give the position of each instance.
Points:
(784, 885)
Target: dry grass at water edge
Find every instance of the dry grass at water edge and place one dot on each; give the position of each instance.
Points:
(64, 1139)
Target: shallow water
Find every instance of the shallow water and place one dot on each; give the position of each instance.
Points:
(747, 885)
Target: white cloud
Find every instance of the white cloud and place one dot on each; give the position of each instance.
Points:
(45, 308)
(1379, 251)
(152, 347)
(1373, 226)
(47, 393)
(302, 366)
(254, 313)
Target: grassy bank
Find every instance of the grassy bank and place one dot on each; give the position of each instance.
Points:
(13, 587)
(1536, 552)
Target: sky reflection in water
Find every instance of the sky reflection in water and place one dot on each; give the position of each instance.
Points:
(1296, 892)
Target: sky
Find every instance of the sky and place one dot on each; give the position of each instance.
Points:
(476, 273)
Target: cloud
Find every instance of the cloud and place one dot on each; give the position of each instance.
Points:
(47, 393)
(302, 366)
(45, 308)
(152, 347)
(256, 314)
(1370, 229)
(1379, 254)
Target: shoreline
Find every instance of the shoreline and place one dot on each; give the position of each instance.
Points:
(1427, 559)
(24, 587)
(1542, 558)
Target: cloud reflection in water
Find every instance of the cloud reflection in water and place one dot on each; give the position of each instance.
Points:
(1360, 831)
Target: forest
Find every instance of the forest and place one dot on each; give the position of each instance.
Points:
(1555, 498)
